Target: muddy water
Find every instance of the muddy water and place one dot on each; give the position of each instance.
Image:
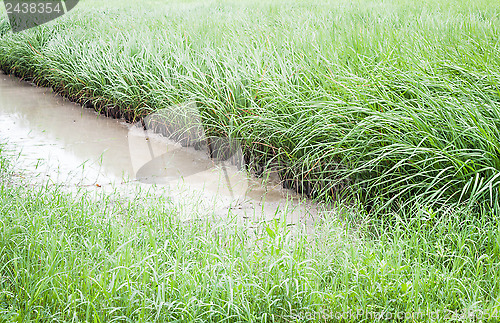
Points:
(61, 142)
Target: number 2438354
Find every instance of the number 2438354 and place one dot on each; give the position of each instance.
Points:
(33, 8)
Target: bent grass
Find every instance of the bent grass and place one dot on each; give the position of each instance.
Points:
(396, 102)
(389, 102)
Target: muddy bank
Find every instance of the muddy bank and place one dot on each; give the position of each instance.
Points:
(69, 145)
(258, 159)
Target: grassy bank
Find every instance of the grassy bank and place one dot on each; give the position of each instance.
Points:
(390, 101)
(78, 258)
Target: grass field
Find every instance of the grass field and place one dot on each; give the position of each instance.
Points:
(389, 101)
(393, 105)
(78, 258)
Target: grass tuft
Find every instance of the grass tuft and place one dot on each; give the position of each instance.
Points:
(386, 101)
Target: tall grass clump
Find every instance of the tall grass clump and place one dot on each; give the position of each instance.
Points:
(112, 258)
(394, 102)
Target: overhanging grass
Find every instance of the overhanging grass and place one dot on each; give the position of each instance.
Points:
(389, 101)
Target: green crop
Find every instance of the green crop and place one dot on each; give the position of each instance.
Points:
(387, 101)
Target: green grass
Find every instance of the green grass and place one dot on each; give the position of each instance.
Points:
(388, 101)
(393, 102)
(109, 258)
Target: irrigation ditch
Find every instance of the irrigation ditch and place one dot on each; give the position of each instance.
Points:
(79, 148)
(340, 118)
(257, 158)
